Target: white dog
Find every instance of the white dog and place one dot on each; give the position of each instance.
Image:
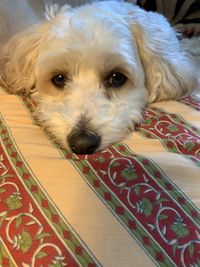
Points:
(94, 68)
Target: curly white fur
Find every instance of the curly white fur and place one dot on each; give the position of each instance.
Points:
(87, 44)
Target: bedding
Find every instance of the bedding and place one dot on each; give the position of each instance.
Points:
(134, 204)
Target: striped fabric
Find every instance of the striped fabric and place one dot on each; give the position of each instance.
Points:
(177, 11)
(134, 204)
(184, 14)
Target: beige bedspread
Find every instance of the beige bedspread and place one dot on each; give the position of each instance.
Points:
(134, 204)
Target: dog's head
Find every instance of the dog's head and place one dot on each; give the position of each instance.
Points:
(87, 71)
(89, 82)
(87, 75)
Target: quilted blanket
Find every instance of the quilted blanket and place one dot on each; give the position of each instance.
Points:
(134, 204)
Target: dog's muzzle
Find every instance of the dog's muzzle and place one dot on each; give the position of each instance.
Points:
(84, 142)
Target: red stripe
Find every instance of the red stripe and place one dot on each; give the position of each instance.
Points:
(149, 197)
(23, 225)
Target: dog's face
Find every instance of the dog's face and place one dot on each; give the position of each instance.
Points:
(89, 86)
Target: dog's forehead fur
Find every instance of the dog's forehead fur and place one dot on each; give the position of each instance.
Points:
(87, 40)
(91, 24)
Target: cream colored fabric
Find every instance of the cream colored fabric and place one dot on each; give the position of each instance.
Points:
(69, 192)
(74, 200)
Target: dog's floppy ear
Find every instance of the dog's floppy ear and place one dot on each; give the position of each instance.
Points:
(17, 60)
(168, 71)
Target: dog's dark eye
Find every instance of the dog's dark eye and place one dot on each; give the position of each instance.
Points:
(116, 79)
(59, 80)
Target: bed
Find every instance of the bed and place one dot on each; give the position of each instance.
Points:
(137, 203)
(134, 204)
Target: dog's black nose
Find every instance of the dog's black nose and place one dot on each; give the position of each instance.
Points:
(84, 142)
